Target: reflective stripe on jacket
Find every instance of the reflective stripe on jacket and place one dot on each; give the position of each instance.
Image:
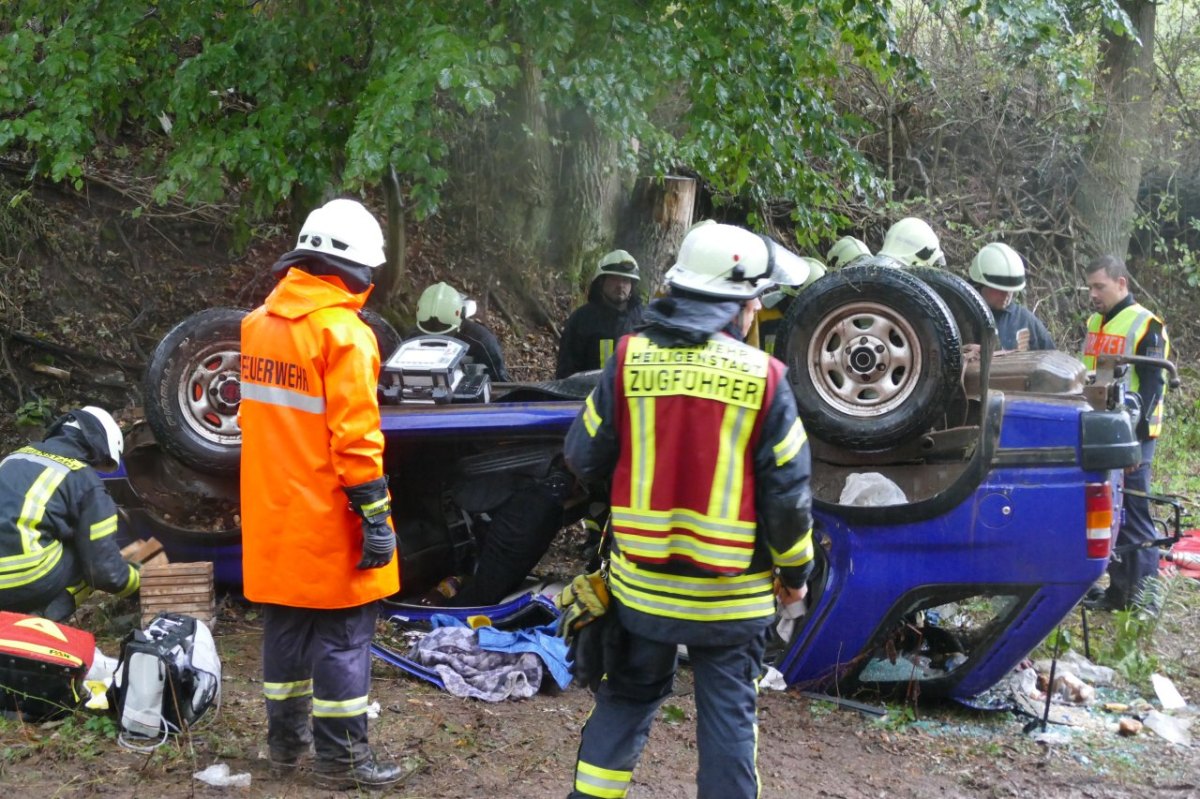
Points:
(50, 499)
(683, 488)
(310, 426)
(1122, 335)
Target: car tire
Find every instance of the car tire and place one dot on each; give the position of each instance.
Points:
(192, 388)
(971, 313)
(385, 335)
(873, 355)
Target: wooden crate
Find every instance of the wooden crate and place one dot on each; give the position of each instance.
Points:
(179, 588)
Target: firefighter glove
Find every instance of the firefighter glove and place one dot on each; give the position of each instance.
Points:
(370, 501)
(583, 601)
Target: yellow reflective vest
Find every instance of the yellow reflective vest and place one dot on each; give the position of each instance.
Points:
(1121, 335)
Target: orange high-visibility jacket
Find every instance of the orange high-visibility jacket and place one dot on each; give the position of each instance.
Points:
(310, 425)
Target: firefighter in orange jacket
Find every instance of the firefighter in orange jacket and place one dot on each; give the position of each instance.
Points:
(709, 468)
(318, 545)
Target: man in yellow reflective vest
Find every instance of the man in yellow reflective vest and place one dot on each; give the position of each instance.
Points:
(711, 512)
(613, 308)
(1121, 326)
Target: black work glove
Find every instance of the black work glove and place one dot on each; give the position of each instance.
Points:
(589, 652)
(370, 501)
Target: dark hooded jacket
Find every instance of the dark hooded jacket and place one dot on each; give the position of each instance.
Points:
(57, 520)
(592, 330)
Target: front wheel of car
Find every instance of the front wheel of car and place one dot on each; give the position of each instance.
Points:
(192, 389)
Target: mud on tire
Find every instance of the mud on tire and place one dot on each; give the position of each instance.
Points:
(873, 355)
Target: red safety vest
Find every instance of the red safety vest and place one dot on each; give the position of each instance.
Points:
(689, 417)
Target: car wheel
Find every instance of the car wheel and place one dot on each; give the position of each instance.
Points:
(971, 314)
(976, 325)
(873, 356)
(385, 335)
(192, 389)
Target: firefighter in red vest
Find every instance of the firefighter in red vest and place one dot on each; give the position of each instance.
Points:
(1121, 326)
(711, 512)
(318, 547)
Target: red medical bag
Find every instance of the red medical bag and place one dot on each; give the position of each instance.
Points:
(42, 665)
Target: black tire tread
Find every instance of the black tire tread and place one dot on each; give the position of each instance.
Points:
(160, 381)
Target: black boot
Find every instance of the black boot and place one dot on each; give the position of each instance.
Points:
(368, 773)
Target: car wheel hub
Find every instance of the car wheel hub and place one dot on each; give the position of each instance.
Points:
(864, 359)
(211, 391)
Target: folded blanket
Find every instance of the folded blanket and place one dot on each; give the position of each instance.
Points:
(469, 670)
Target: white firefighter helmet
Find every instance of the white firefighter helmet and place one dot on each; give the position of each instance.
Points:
(617, 263)
(114, 440)
(730, 262)
(346, 229)
(913, 242)
(845, 250)
(441, 309)
(816, 271)
(999, 266)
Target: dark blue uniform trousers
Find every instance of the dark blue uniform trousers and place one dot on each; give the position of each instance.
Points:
(726, 708)
(1128, 575)
(318, 663)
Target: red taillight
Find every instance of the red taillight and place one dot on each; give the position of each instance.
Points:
(1098, 505)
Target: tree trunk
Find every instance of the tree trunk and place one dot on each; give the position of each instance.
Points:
(387, 283)
(655, 223)
(1105, 199)
(522, 189)
(592, 192)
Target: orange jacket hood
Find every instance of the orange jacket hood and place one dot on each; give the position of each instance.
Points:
(298, 294)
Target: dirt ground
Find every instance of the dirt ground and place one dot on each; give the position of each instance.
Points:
(526, 748)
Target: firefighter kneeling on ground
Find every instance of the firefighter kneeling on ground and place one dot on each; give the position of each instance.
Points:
(57, 521)
(711, 513)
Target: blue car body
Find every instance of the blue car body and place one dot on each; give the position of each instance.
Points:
(951, 589)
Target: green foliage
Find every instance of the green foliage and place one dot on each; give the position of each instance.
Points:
(898, 717)
(278, 101)
(673, 714)
(101, 725)
(36, 412)
(1129, 652)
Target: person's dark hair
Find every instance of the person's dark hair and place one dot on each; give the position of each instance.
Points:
(1113, 266)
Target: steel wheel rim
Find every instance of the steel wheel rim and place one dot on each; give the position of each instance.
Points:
(864, 359)
(209, 394)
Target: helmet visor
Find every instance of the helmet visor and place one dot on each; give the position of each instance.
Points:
(623, 269)
(790, 269)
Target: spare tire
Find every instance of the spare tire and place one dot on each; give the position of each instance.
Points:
(873, 356)
(192, 388)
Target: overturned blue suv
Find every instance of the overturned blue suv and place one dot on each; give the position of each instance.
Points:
(964, 501)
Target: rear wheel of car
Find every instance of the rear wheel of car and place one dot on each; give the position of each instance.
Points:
(873, 356)
(385, 335)
(192, 389)
(971, 314)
